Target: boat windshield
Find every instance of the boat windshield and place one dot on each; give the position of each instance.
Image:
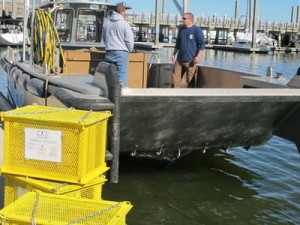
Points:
(89, 25)
(64, 22)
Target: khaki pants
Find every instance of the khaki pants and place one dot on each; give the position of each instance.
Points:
(181, 68)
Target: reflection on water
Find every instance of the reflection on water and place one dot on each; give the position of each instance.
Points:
(260, 186)
(287, 63)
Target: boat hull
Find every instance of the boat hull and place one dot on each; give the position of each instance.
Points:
(165, 124)
(170, 125)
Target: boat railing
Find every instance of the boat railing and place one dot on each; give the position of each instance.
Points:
(12, 55)
(10, 29)
(155, 57)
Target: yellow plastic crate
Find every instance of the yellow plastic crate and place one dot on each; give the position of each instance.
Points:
(53, 143)
(17, 186)
(49, 209)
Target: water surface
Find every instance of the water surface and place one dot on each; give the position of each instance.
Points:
(283, 62)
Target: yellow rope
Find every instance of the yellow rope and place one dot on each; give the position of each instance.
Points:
(46, 40)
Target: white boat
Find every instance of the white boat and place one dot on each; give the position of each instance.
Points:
(263, 42)
(221, 109)
(11, 39)
(11, 31)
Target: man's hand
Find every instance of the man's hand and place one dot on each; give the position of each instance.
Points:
(197, 59)
(172, 58)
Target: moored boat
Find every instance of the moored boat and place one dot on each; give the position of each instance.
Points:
(11, 31)
(263, 42)
(221, 109)
(10, 39)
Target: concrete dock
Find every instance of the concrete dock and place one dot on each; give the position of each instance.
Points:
(235, 49)
(152, 46)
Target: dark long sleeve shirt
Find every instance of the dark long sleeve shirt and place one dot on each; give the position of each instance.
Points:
(189, 42)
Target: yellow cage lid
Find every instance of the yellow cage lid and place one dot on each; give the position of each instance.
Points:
(56, 115)
(57, 187)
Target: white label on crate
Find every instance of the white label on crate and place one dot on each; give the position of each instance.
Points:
(43, 144)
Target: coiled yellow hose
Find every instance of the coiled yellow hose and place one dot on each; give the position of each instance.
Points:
(45, 41)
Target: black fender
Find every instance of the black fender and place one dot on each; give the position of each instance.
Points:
(16, 73)
(23, 79)
(7, 67)
(36, 87)
(80, 101)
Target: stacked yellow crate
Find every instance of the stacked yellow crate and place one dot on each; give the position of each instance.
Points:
(55, 151)
(48, 209)
(65, 145)
(17, 186)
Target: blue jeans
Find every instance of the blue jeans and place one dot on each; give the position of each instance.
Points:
(120, 59)
(3, 83)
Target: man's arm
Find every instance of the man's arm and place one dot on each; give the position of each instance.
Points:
(176, 48)
(174, 54)
(201, 46)
(129, 39)
(104, 31)
(198, 57)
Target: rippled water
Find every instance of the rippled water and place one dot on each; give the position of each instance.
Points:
(238, 187)
(260, 186)
(287, 63)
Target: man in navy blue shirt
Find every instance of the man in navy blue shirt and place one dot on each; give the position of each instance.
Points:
(189, 48)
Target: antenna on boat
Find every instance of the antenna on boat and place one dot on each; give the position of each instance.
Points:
(32, 33)
(26, 16)
(157, 21)
(25, 31)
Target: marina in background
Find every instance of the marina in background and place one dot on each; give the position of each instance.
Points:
(220, 31)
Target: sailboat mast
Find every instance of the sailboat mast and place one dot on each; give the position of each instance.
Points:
(236, 11)
(157, 20)
(186, 6)
(250, 21)
(254, 22)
